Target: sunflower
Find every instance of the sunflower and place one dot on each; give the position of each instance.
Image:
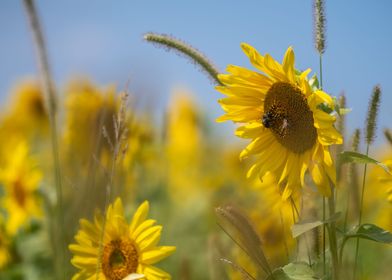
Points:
(26, 115)
(127, 249)
(386, 181)
(88, 109)
(286, 119)
(5, 255)
(183, 147)
(20, 179)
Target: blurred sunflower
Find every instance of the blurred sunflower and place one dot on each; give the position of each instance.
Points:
(275, 218)
(127, 249)
(20, 179)
(282, 114)
(183, 147)
(27, 114)
(386, 181)
(5, 255)
(88, 109)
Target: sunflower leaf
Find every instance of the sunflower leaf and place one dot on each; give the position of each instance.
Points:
(314, 83)
(305, 226)
(293, 271)
(372, 232)
(354, 157)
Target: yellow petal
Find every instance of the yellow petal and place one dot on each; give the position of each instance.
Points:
(288, 64)
(155, 255)
(139, 216)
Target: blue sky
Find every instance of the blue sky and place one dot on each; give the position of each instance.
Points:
(103, 40)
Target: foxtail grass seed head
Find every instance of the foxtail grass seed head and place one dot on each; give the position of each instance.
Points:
(182, 48)
(353, 173)
(319, 25)
(239, 228)
(371, 120)
(388, 135)
(341, 121)
(356, 140)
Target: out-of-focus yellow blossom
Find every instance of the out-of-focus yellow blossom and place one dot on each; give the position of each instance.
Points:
(141, 153)
(279, 111)
(273, 217)
(26, 115)
(127, 248)
(5, 255)
(184, 147)
(88, 110)
(241, 259)
(378, 195)
(386, 181)
(20, 179)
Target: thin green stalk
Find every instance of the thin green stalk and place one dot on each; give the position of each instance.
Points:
(342, 249)
(332, 236)
(283, 231)
(360, 214)
(117, 150)
(306, 240)
(324, 210)
(321, 71)
(48, 89)
(107, 201)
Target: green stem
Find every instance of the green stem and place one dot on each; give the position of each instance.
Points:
(342, 249)
(286, 248)
(324, 225)
(360, 214)
(197, 57)
(48, 89)
(306, 240)
(332, 236)
(321, 71)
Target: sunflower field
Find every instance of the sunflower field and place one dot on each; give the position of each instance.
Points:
(271, 176)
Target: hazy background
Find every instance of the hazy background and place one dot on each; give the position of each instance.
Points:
(103, 40)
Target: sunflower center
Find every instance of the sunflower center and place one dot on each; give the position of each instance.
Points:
(288, 116)
(119, 259)
(19, 193)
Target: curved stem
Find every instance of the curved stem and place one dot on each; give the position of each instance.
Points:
(197, 57)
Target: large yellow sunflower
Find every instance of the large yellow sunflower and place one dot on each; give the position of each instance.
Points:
(127, 249)
(280, 111)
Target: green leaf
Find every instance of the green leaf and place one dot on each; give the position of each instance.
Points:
(340, 111)
(301, 228)
(293, 271)
(354, 157)
(304, 226)
(372, 232)
(325, 108)
(314, 83)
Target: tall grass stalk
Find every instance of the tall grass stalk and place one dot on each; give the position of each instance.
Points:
(370, 135)
(360, 214)
(49, 92)
(117, 149)
(333, 246)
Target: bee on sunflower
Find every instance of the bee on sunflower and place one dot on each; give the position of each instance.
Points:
(286, 118)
